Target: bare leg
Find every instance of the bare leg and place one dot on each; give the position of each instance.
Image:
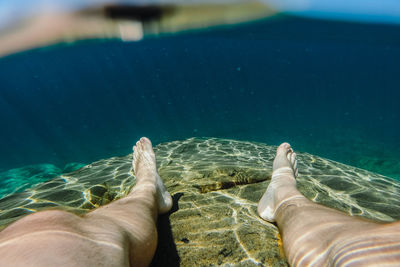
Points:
(314, 235)
(122, 233)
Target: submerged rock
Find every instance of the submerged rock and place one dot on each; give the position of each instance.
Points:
(216, 184)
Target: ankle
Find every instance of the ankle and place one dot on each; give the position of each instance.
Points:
(283, 178)
(283, 189)
(144, 187)
(282, 170)
(288, 202)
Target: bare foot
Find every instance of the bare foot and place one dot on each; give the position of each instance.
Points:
(144, 165)
(283, 183)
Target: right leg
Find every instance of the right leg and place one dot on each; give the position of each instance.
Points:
(314, 235)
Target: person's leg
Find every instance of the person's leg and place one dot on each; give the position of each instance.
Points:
(122, 233)
(315, 235)
(137, 213)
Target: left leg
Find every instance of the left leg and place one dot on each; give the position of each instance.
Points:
(137, 213)
(122, 233)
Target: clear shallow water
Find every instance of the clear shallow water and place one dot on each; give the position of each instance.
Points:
(329, 88)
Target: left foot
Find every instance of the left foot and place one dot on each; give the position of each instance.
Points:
(144, 165)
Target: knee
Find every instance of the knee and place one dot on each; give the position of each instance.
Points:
(58, 217)
(48, 220)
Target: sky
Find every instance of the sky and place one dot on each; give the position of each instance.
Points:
(379, 11)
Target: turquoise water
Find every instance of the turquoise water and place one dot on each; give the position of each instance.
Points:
(329, 88)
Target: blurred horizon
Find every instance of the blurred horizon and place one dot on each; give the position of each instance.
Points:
(371, 11)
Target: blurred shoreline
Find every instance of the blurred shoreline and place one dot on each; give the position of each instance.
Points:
(125, 22)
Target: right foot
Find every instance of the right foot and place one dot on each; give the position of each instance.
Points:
(283, 183)
(144, 165)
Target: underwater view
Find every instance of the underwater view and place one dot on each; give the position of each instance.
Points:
(215, 102)
(329, 88)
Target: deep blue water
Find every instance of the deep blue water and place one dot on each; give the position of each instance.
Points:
(329, 88)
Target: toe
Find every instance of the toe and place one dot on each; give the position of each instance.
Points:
(146, 143)
(134, 152)
(138, 144)
(283, 148)
(292, 158)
